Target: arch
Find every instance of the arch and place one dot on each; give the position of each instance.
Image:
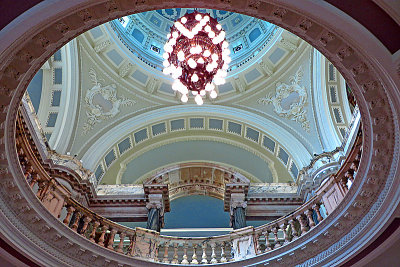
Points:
(366, 65)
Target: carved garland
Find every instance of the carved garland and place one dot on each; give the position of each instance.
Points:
(95, 112)
(296, 110)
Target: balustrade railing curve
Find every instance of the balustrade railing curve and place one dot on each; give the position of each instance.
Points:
(150, 245)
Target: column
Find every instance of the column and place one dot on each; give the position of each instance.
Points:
(238, 210)
(155, 215)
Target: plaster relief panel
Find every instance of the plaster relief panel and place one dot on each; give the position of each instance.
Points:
(290, 100)
(102, 102)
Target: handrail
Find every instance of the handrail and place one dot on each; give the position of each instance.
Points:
(146, 244)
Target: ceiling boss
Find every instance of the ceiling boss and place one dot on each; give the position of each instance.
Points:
(196, 56)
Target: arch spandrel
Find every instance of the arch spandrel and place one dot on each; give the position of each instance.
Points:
(374, 83)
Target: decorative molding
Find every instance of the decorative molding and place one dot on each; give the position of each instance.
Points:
(95, 112)
(296, 111)
(102, 46)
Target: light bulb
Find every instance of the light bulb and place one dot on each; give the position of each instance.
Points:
(168, 35)
(219, 80)
(198, 17)
(175, 34)
(184, 90)
(214, 57)
(207, 28)
(166, 71)
(209, 87)
(179, 71)
(219, 27)
(202, 92)
(165, 55)
(213, 94)
(183, 20)
(209, 68)
(176, 85)
(172, 41)
(192, 63)
(184, 98)
(203, 22)
(206, 18)
(194, 92)
(206, 53)
(211, 34)
(199, 100)
(181, 55)
(225, 66)
(165, 63)
(190, 35)
(200, 61)
(194, 78)
(226, 52)
(227, 60)
(198, 49)
(192, 50)
(225, 44)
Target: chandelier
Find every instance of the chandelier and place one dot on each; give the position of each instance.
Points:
(196, 56)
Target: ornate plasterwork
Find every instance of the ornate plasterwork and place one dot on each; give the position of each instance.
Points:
(108, 94)
(296, 111)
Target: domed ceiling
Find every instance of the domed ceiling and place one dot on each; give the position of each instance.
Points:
(104, 100)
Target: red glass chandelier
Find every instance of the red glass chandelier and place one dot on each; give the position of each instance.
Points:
(196, 56)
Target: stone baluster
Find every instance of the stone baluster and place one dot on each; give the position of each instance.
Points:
(131, 244)
(230, 245)
(35, 178)
(316, 207)
(275, 231)
(110, 244)
(156, 248)
(120, 247)
(258, 247)
(102, 236)
(93, 233)
(293, 227)
(42, 186)
(213, 255)
(175, 257)
(194, 256)
(75, 223)
(223, 258)
(70, 210)
(268, 246)
(311, 222)
(166, 245)
(204, 255)
(86, 222)
(185, 257)
(303, 224)
(283, 226)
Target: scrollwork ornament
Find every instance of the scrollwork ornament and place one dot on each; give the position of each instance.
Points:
(296, 110)
(95, 112)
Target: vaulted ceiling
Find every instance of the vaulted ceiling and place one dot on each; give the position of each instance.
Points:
(103, 98)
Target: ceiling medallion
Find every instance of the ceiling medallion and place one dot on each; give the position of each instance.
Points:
(196, 56)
